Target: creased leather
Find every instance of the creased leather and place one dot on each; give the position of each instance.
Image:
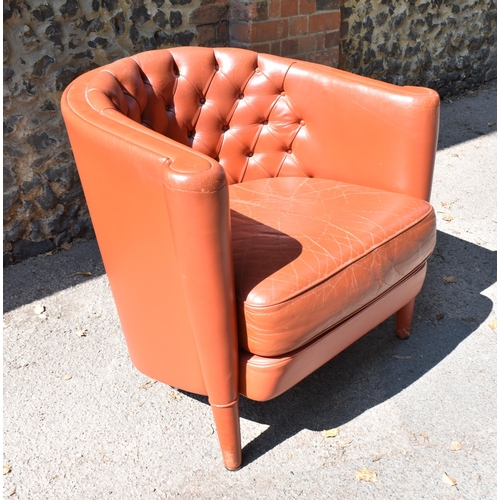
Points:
(263, 378)
(309, 252)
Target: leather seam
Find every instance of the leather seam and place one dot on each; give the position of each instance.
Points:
(227, 405)
(291, 354)
(192, 191)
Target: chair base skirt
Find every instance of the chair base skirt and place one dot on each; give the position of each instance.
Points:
(263, 378)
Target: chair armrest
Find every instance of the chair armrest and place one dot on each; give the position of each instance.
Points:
(197, 199)
(363, 131)
(122, 166)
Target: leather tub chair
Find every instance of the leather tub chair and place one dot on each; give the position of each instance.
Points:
(256, 215)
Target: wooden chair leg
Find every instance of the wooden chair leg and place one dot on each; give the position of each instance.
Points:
(227, 423)
(404, 319)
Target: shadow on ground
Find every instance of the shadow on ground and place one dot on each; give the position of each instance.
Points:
(42, 276)
(363, 376)
(379, 365)
(468, 117)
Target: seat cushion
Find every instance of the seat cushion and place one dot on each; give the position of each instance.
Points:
(310, 252)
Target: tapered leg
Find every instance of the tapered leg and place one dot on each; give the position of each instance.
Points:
(404, 319)
(227, 423)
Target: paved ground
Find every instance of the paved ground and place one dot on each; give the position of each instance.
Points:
(80, 422)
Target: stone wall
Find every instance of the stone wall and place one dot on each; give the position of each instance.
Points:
(46, 45)
(448, 45)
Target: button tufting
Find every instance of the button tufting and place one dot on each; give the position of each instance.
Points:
(302, 122)
(257, 70)
(250, 154)
(265, 122)
(241, 96)
(289, 151)
(282, 93)
(202, 100)
(225, 128)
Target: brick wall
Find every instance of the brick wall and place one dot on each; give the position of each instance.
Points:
(302, 29)
(212, 23)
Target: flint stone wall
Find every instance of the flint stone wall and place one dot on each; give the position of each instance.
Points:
(448, 45)
(46, 45)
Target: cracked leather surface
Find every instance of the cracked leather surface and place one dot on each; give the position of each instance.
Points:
(309, 252)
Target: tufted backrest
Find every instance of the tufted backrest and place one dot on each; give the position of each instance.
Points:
(226, 103)
(264, 116)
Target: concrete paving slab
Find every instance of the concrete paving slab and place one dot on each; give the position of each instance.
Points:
(80, 422)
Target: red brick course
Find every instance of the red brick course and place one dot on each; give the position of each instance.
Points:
(324, 22)
(290, 47)
(298, 26)
(307, 6)
(274, 9)
(332, 39)
(240, 32)
(262, 47)
(269, 30)
(242, 12)
(289, 8)
(290, 28)
(328, 57)
(307, 44)
(320, 42)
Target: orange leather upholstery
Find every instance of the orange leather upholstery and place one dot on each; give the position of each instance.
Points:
(310, 252)
(255, 214)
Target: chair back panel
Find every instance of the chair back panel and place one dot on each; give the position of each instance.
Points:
(263, 116)
(227, 104)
